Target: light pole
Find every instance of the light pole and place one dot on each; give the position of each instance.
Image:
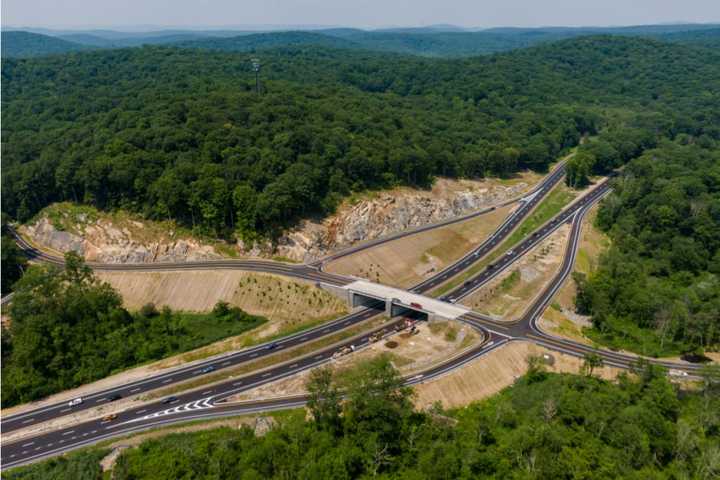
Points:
(256, 69)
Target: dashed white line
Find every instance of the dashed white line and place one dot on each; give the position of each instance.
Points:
(141, 411)
(28, 444)
(28, 420)
(135, 390)
(68, 432)
(206, 392)
(167, 381)
(100, 400)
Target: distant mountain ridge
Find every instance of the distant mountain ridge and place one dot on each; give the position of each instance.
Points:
(430, 41)
(26, 44)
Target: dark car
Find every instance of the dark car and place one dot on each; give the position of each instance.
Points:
(208, 369)
(169, 400)
(114, 396)
(272, 346)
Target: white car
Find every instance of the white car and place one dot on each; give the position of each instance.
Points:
(75, 401)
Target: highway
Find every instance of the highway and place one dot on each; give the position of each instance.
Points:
(40, 415)
(209, 403)
(43, 414)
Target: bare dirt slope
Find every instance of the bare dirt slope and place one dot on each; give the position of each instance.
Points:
(561, 319)
(435, 343)
(409, 260)
(509, 294)
(491, 373)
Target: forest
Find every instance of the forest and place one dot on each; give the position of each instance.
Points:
(545, 426)
(173, 133)
(70, 329)
(656, 291)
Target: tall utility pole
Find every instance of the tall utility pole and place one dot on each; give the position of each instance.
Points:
(256, 69)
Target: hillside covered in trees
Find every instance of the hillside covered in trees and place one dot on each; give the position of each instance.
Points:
(26, 44)
(657, 290)
(181, 134)
(69, 329)
(546, 426)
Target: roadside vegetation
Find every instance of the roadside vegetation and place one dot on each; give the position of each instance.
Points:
(67, 329)
(550, 206)
(656, 291)
(558, 426)
(179, 134)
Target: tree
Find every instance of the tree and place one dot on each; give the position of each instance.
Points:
(591, 361)
(14, 263)
(324, 401)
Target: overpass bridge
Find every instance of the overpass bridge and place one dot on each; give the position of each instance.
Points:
(396, 301)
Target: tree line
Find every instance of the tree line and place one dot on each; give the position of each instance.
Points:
(174, 133)
(657, 289)
(67, 329)
(544, 426)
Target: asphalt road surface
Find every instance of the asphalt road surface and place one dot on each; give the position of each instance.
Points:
(209, 403)
(50, 412)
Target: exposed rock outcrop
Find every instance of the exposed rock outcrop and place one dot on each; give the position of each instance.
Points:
(101, 239)
(387, 214)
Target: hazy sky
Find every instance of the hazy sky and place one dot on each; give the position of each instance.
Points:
(359, 13)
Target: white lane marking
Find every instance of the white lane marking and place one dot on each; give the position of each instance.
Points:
(141, 411)
(318, 357)
(135, 390)
(167, 381)
(50, 444)
(206, 392)
(68, 432)
(293, 365)
(266, 374)
(237, 383)
(94, 431)
(225, 363)
(100, 400)
(65, 410)
(28, 444)
(253, 355)
(201, 404)
(27, 421)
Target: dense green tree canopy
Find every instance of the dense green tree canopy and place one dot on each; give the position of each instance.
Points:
(181, 133)
(67, 329)
(546, 426)
(657, 290)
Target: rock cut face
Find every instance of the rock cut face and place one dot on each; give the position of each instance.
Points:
(103, 242)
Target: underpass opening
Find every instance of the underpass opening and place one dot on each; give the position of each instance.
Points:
(360, 300)
(407, 312)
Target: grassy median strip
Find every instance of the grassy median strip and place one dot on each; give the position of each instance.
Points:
(269, 361)
(558, 198)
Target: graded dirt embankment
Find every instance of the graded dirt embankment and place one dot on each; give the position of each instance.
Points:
(434, 343)
(407, 261)
(509, 294)
(561, 318)
(487, 375)
(288, 305)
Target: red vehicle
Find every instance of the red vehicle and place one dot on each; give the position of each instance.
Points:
(415, 305)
